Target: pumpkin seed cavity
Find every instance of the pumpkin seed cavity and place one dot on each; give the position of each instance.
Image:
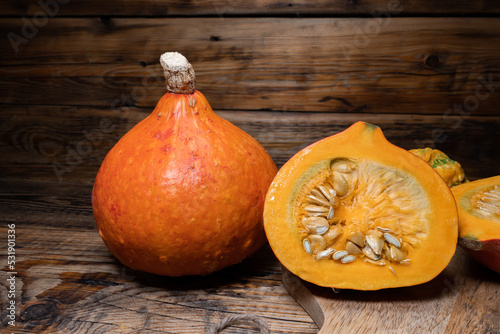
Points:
(486, 203)
(365, 210)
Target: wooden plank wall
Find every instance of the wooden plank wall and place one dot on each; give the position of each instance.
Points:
(76, 75)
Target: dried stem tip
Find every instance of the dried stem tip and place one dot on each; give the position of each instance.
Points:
(179, 74)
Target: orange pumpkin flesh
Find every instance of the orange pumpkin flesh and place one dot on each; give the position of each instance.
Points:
(479, 219)
(389, 191)
(182, 193)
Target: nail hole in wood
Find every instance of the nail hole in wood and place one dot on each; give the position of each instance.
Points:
(432, 61)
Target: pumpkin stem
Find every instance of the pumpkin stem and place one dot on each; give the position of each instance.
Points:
(179, 74)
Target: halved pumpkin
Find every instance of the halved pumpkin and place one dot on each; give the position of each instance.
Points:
(479, 219)
(354, 211)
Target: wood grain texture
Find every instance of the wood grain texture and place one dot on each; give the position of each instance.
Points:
(68, 144)
(68, 282)
(442, 305)
(46, 204)
(249, 7)
(346, 65)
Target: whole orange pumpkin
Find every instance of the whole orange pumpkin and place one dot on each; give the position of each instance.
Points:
(182, 193)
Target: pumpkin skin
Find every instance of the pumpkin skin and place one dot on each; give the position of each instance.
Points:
(360, 142)
(450, 170)
(182, 193)
(479, 233)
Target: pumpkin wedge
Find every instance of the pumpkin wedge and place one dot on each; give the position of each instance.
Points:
(479, 219)
(357, 212)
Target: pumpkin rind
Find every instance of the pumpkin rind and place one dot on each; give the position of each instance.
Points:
(479, 234)
(450, 170)
(363, 142)
(182, 193)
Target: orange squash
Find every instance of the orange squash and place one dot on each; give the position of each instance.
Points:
(354, 211)
(182, 193)
(479, 219)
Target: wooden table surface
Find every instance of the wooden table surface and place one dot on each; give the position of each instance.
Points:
(66, 281)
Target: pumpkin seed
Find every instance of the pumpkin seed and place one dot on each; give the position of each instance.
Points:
(396, 254)
(386, 252)
(318, 225)
(333, 195)
(316, 209)
(317, 243)
(383, 229)
(322, 229)
(376, 244)
(332, 235)
(325, 192)
(342, 165)
(307, 246)
(317, 200)
(492, 195)
(358, 238)
(317, 193)
(340, 254)
(487, 211)
(352, 248)
(488, 204)
(348, 259)
(380, 262)
(369, 253)
(315, 214)
(334, 201)
(375, 233)
(330, 213)
(324, 254)
(339, 183)
(405, 262)
(392, 240)
(393, 271)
